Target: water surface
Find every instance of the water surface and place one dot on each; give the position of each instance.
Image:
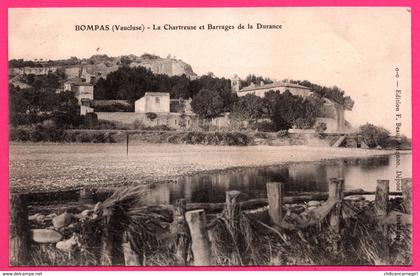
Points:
(298, 177)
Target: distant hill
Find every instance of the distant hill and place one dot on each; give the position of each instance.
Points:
(100, 66)
(167, 66)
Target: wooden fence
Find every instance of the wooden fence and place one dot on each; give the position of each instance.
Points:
(190, 224)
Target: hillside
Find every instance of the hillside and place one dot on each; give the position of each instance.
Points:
(100, 66)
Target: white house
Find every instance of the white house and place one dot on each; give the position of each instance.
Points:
(156, 102)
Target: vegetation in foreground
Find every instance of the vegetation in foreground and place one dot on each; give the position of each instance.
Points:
(151, 234)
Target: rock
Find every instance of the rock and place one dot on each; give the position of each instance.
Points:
(40, 218)
(68, 245)
(61, 220)
(46, 236)
(71, 226)
(51, 216)
(313, 203)
(33, 217)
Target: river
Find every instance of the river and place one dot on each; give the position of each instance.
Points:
(298, 177)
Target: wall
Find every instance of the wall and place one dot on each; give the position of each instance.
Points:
(32, 70)
(85, 109)
(261, 92)
(83, 92)
(140, 105)
(171, 120)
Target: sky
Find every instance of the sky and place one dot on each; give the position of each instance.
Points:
(356, 49)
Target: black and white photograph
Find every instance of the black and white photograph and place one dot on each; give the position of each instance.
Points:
(223, 137)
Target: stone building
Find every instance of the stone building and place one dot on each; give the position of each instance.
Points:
(156, 102)
(261, 89)
(81, 90)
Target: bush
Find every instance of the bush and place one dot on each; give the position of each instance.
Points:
(373, 135)
(265, 126)
(151, 116)
(20, 134)
(114, 107)
(46, 132)
(90, 120)
(137, 124)
(320, 127)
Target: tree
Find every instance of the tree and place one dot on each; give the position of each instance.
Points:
(289, 110)
(373, 135)
(207, 104)
(255, 79)
(249, 107)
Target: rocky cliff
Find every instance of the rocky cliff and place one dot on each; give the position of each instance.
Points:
(168, 66)
(101, 65)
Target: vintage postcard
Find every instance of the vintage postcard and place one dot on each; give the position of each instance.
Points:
(268, 136)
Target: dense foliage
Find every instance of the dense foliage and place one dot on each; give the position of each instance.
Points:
(333, 93)
(374, 136)
(40, 102)
(289, 111)
(131, 84)
(207, 103)
(249, 107)
(254, 79)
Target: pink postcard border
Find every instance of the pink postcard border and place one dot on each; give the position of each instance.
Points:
(4, 153)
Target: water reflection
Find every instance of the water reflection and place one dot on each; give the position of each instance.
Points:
(300, 177)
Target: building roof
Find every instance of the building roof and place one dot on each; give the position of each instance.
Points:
(157, 94)
(273, 86)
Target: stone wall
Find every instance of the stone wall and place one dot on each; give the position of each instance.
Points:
(172, 120)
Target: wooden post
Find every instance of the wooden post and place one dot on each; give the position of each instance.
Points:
(336, 189)
(86, 195)
(200, 243)
(381, 197)
(106, 247)
(406, 184)
(275, 194)
(112, 234)
(336, 192)
(131, 258)
(127, 142)
(232, 215)
(183, 238)
(232, 210)
(19, 231)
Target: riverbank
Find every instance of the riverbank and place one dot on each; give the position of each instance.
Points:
(48, 166)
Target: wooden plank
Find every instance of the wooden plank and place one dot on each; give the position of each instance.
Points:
(182, 233)
(275, 194)
(381, 197)
(200, 243)
(406, 184)
(19, 232)
(131, 258)
(338, 184)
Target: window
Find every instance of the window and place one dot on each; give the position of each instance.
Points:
(157, 100)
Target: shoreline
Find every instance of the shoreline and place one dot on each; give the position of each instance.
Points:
(56, 167)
